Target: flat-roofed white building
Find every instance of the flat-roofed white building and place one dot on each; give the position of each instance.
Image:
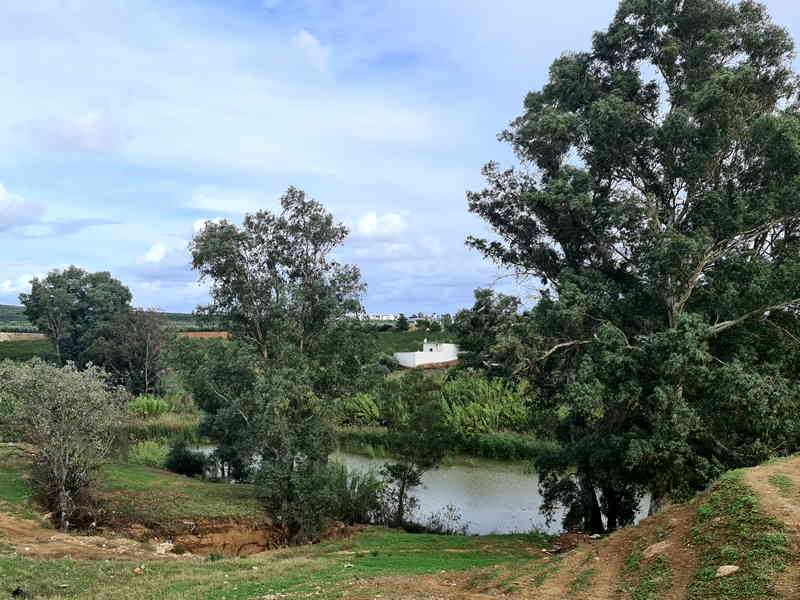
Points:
(433, 353)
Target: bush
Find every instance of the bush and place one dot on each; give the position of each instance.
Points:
(184, 461)
(149, 453)
(359, 409)
(147, 407)
(356, 494)
(72, 419)
(474, 404)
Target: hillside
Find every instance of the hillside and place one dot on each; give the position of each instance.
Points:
(12, 319)
(748, 519)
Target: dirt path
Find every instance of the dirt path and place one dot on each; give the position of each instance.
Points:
(29, 538)
(778, 487)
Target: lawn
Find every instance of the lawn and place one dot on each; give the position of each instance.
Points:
(334, 569)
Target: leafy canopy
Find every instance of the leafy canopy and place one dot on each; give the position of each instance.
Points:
(658, 203)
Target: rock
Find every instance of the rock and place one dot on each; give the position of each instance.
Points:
(658, 548)
(138, 570)
(726, 570)
(595, 536)
(164, 547)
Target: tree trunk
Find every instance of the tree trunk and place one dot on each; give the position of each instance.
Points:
(593, 518)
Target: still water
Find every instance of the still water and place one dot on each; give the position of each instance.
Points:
(492, 497)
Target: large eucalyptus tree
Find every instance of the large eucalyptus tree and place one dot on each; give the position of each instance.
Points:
(658, 201)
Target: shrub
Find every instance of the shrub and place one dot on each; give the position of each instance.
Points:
(184, 461)
(146, 407)
(474, 404)
(359, 409)
(149, 453)
(356, 494)
(72, 418)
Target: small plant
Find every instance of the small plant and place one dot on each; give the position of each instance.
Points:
(149, 453)
(148, 407)
(215, 556)
(184, 461)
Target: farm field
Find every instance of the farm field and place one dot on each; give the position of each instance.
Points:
(12, 320)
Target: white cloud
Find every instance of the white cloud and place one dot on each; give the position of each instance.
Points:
(91, 131)
(19, 285)
(386, 226)
(226, 200)
(16, 211)
(317, 55)
(156, 253)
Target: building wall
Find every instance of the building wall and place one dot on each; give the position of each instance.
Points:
(431, 354)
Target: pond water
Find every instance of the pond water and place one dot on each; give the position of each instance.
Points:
(492, 497)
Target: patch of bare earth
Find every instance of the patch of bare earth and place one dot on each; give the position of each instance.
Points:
(783, 503)
(18, 337)
(30, 538)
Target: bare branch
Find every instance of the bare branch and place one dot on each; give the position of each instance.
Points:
(720, 327)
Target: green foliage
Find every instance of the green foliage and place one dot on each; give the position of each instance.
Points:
(182, 460)
(149, 453)
(276, 286)
(170, 426)
(148, 406)
(477, 329)
(358, 409)
(72, 418)
(355, 495)
(131, 346)
(70, 306)
(474, 404)
(659, 215)
(402, 323)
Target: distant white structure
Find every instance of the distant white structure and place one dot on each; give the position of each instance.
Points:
(432, 354)
(378, 317)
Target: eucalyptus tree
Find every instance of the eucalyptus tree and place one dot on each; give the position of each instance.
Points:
(274, 282)
(657, 201)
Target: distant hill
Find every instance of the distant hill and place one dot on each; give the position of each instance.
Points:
(12, 319)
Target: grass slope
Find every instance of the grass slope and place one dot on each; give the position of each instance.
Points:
(674, 555)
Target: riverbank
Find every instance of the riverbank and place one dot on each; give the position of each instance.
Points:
(379, 441)
(738, 539)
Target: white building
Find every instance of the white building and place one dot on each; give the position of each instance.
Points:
(432, 354)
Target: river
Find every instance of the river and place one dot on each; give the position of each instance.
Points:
(491, 496)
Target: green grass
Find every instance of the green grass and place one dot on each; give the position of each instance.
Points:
(156, 497)
(166, 427)
(581, 582)
(326, 570)
(134, 493)
(655, 580)
(732, 527)
(782, 483)
(23, 350)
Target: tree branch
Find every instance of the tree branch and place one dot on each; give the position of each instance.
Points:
(720, 327)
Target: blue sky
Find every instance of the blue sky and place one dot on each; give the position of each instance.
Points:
(125, 123)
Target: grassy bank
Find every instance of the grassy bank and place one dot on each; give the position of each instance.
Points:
(336, 569)
(375, 441)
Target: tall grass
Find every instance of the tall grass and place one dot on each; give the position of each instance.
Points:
(147, 407)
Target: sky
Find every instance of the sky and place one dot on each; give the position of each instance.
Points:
(128, 123)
